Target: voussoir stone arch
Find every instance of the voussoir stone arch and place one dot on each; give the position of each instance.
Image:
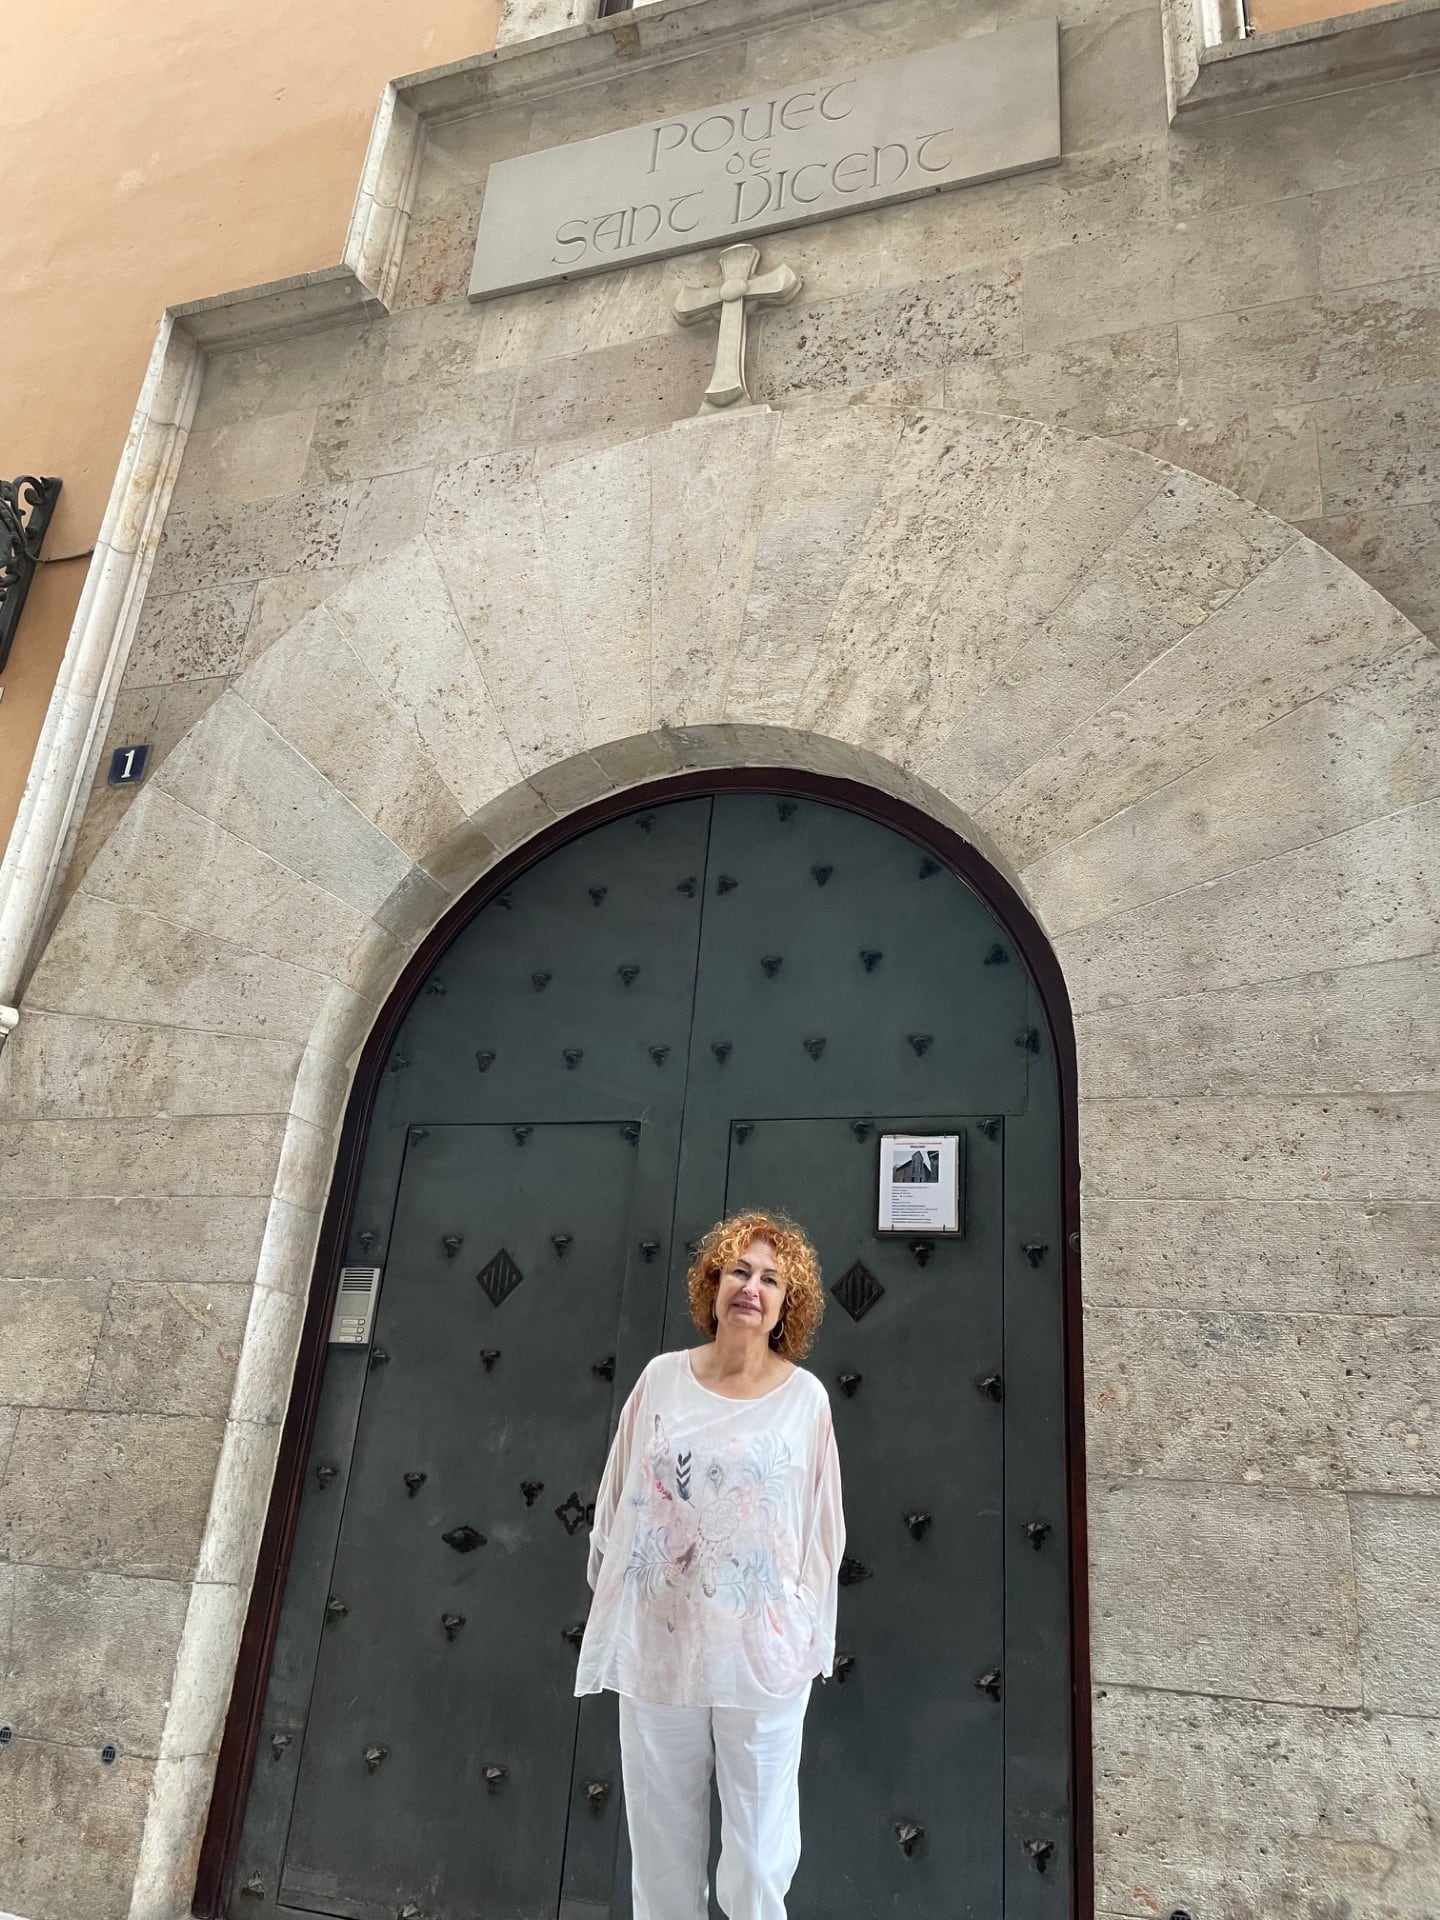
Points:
(1194, 741)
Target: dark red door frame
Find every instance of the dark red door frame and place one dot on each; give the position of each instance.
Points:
(252, 1672)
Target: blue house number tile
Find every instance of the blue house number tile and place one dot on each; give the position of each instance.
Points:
(127, 765)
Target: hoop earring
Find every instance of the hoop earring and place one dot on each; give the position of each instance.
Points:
(777, 1332)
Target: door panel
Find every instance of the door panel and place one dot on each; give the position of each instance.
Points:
(827, 929)
(906, 1736)
(450, 1658)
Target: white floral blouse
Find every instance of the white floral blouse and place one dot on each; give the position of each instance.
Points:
(715, 1554)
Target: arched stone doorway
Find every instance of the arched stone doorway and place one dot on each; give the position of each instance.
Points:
(1190, 740)
(585, 1065)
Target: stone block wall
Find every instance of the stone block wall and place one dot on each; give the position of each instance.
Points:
(1255, 297)
(432, 579)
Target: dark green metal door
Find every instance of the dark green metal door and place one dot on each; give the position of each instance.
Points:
(705, 1004)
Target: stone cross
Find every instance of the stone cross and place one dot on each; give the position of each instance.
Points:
(741, 288)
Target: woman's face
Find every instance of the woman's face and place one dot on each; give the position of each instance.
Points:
(751, 1295)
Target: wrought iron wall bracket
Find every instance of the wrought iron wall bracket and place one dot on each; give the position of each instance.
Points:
(26, 505)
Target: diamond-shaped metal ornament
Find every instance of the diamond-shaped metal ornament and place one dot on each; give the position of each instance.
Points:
(500, 1277)
(857, 1290)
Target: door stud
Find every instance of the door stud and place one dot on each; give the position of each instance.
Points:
(920, 1043)
(463, 1539)
(375, 1757)
(597, 1792)
(929, 868)
(562, 1243)
(488, 1357)
(414, 1482)
(379, 1357)
(279, 1743)
(540, 981)
(853, 1571)
(1035, 1251)
(326, 1474)
(857, 1290)
(629, 973)
(687, 887)
(787, 808)
(989, 1683)
(573, 1635)
(990, 1129)
(604, 1369)
(1029, 1040)
(453, 1623)
(530, 1488)
(862, 1129)
(572, 1513)
(726, 884)
(997, 957)
(917, 1524)
(572, 1056)
(659, 1055)
(870, 958)
(1041, 1853)
(772, 963)
(849, 1384)
(452, 1244)
(992, 1386)
(821, 874)
(335, 1608)
(521, 1134)
(742, 1131)
(722, 1049)
(844, 1666)
(485, 1059)
(909, 1836)
(1037, 1532)
(815, 1045)
(499, 1277)
(494, 1779)
(630, 1131)
(255, 1887)
(597, 894)
(648, 1250)
(922, 1250)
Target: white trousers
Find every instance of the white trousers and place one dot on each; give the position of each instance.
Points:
(666, 1756)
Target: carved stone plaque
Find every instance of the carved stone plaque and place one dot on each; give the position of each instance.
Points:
(970, 110)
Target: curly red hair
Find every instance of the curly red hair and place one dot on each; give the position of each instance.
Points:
(796, 1260)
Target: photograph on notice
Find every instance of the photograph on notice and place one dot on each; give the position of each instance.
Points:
(920, 1183)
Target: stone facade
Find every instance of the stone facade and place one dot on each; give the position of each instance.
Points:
(1050, 530)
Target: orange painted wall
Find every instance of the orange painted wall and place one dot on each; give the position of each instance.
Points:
(1270, 16)
(158, 153)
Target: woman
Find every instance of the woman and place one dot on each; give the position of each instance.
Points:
(715, 1559)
